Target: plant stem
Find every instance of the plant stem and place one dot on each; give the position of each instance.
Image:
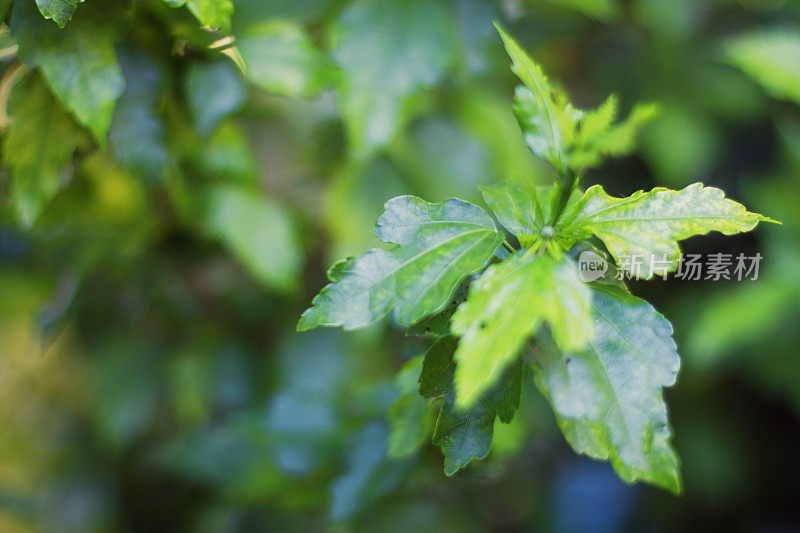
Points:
(508, 247)
(566, 183)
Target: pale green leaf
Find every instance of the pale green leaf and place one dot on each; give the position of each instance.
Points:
(440, 244)
(388, 52)
(547, 121)
(505, 307)
(608, 398)
(557, 132)
(280, 57)
(60, 11)
(258, 232)
(409, 415)
(214, 90)
(78, 62)
(648, 225)
(597, 137)
(771, 57)
(37, 146)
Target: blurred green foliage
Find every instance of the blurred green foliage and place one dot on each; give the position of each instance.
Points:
(175, 177)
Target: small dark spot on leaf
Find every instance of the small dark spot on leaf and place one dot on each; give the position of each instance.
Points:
(569, 360)
(482, 325)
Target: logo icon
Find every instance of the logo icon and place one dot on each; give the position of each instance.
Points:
(591, 266)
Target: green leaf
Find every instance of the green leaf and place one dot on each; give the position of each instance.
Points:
(770, 57)
(409, 415)
(214, 90)
(648, 225)
(388, 52)
(466, 434)
(607, 398)
(438, 246)
(597, 137)
(258, 232)
(436, 377)
(79, 62)
(137, 132)
(37, 146)
(505, 307)
(439, 324)
(524, 210)
(559, 133)
(280, 57)
(60, 11)
(546, 118)
(215, 14)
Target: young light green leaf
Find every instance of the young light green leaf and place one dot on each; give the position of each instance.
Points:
(37, 146)
(648, 225)
(78, 62)
(597, 137)
(214, 90)
(607, 398)
(770, 57)
(410, 415)
(466, 434)
(524, 210)
(557, 132)
(546, 118)
(417, 277)
(388, 52)
(280, 58)
(258, 232)
(504, 308)
(60, 11)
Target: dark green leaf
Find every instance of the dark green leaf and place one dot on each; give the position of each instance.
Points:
(79, 62)
(466, 434)
(438, 367)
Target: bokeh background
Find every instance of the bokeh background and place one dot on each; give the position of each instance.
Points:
(151, 378)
